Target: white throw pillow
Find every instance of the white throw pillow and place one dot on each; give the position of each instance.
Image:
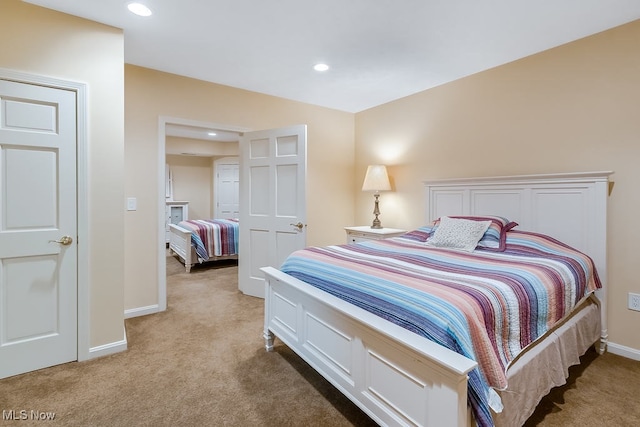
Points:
(458, 233)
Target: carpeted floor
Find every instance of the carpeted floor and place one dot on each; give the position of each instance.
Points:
(202, 362)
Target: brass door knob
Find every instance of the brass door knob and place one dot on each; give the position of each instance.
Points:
(299, 225)
(64, 240)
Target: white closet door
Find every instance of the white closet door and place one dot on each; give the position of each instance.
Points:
(227, 188)
(38, 227)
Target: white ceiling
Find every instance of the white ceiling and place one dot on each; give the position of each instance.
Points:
(378, 50)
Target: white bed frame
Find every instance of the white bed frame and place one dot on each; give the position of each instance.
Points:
(395, 376)
(180, 245)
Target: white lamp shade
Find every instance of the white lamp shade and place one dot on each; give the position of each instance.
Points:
(376, 179)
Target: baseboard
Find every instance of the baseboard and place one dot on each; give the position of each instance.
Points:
(624, 351)
(141, 311)
(111, 348)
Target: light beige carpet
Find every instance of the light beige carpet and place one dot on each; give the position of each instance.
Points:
(202, 363)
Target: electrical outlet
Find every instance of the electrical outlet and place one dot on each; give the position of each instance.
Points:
(634, 301)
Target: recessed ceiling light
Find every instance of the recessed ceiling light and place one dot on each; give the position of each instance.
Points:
(321, 67)
(139, 9)
(211, 134)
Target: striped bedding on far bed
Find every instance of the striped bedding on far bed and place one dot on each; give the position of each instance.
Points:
(487, 306)
(212, 237)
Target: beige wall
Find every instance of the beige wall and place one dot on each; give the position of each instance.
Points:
(40, 41)
(573, 108)
(150, 94)
(193, 183)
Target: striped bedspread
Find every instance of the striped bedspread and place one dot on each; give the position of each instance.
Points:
(487, 306)
(213, 237)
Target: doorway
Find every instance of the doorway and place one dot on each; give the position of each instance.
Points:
(171, 126)
(275, 222)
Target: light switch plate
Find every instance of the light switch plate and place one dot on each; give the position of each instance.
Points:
(132, 204)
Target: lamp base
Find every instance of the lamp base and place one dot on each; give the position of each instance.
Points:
(376, 211)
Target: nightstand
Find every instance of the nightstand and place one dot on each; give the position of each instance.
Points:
(174, 213)
(365, 232)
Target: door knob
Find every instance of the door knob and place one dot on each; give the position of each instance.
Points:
(64, 240)
(299, 225)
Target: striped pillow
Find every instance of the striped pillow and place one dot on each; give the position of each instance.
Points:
(495, 237)
(420, 234)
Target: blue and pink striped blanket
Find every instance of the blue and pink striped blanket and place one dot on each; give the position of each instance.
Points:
(487, 306)
(213, 237)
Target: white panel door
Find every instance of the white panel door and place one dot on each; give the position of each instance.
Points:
(227, 188)
(272, 202)
(38, 252)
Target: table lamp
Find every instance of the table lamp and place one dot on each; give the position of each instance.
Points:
(376, 180)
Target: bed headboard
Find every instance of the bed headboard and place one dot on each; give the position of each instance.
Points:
(571, 207)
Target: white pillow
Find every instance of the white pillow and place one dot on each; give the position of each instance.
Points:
(456, 233)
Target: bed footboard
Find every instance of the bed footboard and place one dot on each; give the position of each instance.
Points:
(180, 244)
(393, 375)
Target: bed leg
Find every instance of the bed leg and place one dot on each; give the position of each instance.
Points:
(188, 268)
(601, 346)
(268, 340)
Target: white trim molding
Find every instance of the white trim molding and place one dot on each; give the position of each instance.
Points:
(141, 311)
(110, 348)
(624, 351)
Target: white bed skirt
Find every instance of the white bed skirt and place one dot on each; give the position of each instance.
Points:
(546, 364)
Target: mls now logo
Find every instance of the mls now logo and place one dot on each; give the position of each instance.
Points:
(27, 415)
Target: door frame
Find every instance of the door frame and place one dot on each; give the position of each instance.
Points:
(163, 121)
(82, 199)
